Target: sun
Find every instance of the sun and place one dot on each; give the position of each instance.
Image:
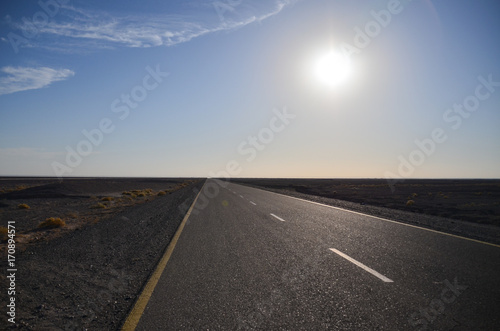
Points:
(333, 69)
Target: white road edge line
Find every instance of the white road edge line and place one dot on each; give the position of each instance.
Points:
(253, 203)
(278, 218)
(361, 265)
(376, 217)
(241, 196)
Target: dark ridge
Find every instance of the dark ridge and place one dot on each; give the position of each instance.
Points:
(56, 190)
(83, 187)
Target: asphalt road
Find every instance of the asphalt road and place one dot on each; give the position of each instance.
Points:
(252, 259)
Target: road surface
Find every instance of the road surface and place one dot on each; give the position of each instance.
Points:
(256, 260)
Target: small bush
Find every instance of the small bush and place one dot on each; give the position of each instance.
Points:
(414, 195)
(3, 233)
(99, 206)
(161, 193)
(52, 223)
(410, 203)
(107, 199)
(23, 206)
(139, 193)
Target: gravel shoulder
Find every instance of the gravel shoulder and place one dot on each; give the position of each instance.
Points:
(483, 232)
(89, 278)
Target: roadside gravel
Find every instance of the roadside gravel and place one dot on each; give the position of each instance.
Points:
(91, 277)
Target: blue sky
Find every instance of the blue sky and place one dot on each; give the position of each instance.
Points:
(232, 84)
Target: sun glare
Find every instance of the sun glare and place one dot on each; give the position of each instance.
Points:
(333, 69)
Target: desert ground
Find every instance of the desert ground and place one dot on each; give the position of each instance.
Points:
(86, 246)
(76, 201)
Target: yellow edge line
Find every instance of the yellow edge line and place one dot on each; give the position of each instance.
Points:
(380, 218)
(136, 313)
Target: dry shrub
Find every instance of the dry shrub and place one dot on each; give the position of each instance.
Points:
(52, 223)
(3, 233)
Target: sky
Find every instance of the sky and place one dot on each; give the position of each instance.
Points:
(247, 88)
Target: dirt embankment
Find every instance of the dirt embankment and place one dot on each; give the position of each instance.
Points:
(88, 276)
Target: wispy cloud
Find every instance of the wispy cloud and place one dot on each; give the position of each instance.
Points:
(128, 32)
(93, 29)
(24, 78)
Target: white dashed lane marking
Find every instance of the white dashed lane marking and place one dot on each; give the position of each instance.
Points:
(361, 265)
(278, 217)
